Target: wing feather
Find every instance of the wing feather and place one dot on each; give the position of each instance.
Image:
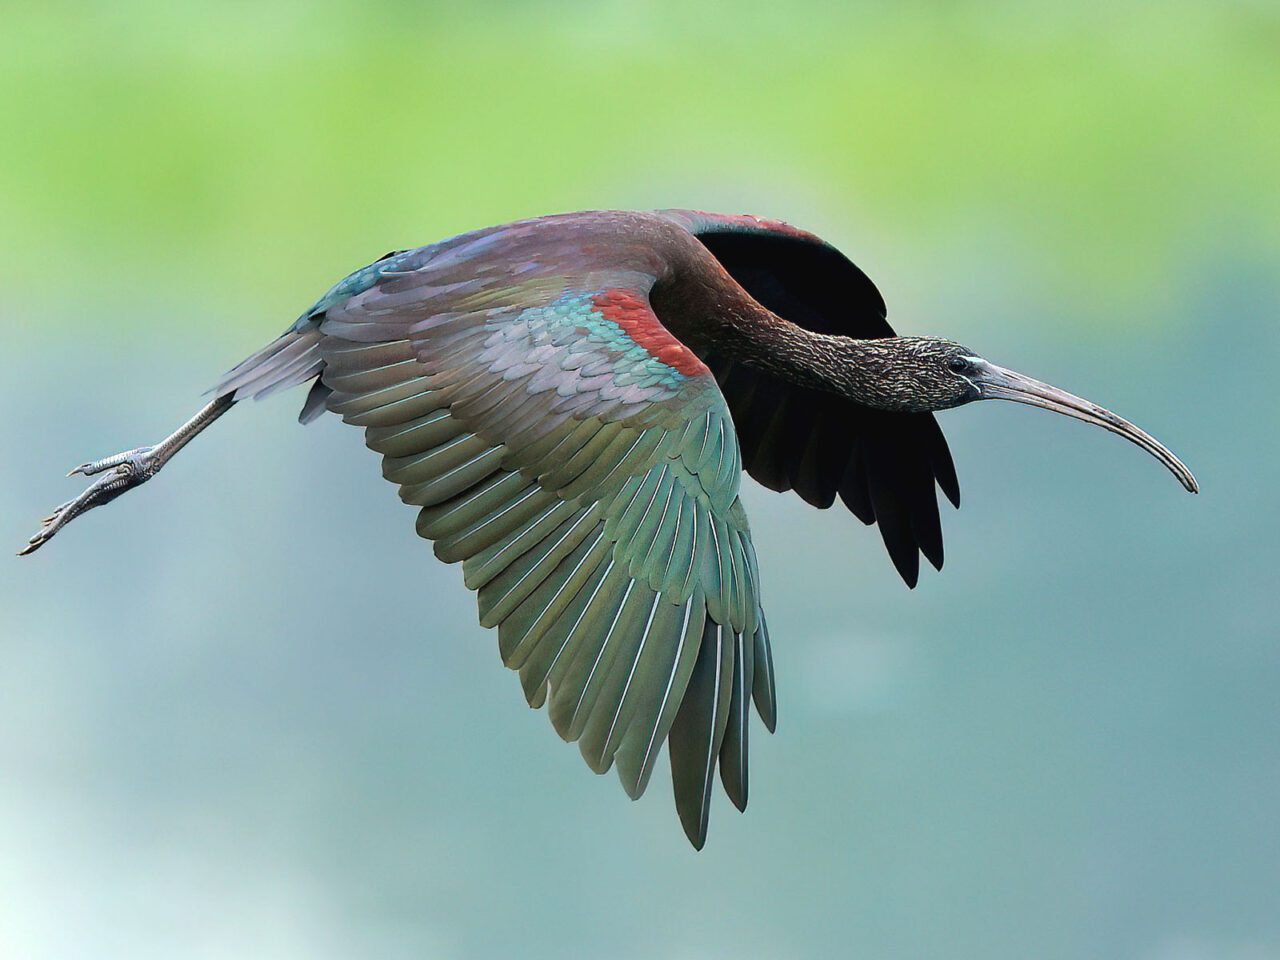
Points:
(733, 749)
(664, 680)
(587, 487)
(698, 731)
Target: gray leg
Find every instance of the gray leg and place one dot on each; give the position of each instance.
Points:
(124, 471)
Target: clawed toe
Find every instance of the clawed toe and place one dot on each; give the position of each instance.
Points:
(137, 457)
(54, 516)
(49, 526)
(123, 471)
(119, 473)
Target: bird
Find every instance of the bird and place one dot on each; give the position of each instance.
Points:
(570, 401)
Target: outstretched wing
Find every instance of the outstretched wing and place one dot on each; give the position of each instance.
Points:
(582, 465)
(882, 465)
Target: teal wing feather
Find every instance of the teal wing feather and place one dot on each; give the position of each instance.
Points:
(584, 470)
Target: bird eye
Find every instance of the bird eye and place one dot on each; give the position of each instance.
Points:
(958, 365)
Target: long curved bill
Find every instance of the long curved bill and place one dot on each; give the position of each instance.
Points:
(997, 383)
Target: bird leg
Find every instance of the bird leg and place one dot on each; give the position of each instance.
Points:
(124, 471)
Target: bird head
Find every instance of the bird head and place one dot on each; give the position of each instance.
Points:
(925, 374)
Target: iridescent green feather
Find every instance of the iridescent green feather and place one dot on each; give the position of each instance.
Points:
(588, 488)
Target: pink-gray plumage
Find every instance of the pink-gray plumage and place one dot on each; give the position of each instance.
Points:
(571, 401)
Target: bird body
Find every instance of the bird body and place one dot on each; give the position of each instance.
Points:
(570, 402)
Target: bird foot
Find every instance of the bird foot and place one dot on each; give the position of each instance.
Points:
(115, 474)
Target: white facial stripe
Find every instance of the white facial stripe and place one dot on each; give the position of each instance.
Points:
(978, 363)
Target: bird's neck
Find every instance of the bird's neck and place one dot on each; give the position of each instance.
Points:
(709, 311)
(854, 369)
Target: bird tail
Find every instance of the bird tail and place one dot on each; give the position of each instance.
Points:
(290, 360)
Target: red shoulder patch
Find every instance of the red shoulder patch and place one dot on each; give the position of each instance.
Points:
(633, 314)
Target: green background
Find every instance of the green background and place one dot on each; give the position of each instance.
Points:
(246, 714)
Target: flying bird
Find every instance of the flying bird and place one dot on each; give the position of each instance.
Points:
(571, 401)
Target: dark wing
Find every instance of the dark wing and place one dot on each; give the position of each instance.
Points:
(882, 465)
(588, 484)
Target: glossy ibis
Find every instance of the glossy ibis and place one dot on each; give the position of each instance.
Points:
(571, 401)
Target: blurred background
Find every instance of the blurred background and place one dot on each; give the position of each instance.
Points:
(245, 713)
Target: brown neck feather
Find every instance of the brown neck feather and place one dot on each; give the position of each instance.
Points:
(838, 365)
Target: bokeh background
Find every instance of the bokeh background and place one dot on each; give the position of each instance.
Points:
(246, 714)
